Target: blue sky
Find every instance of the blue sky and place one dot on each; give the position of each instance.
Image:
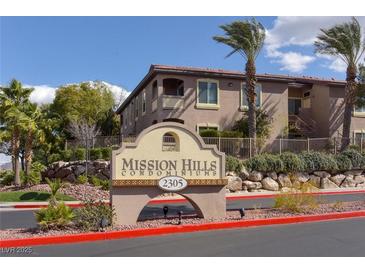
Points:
(46, 52)
(56, 50)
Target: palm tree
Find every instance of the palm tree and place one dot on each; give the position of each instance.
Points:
(12, 101)
(246, 38)
(32, 134)
(346, 42)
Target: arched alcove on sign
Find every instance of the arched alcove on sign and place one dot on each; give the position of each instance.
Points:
(170, 142)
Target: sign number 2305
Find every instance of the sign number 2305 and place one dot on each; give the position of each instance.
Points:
(172, 183)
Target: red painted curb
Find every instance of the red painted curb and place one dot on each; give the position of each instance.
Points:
(87, 237)
(183, 200)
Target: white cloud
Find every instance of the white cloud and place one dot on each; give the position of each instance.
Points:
(300, 31)
(42, 94)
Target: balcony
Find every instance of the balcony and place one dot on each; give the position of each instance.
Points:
(172, 102)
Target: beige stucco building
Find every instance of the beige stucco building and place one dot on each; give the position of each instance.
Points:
(214, 98)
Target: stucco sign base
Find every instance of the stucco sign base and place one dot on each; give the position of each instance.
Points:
(208, 201)
(167, 150)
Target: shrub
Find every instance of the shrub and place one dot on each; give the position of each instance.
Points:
(54, 217)
(356, 158)
(100, 182)
(273, 163)
(67, 155)
(106, 153)
(55, 185)
(209, 133)
(95, 154)
(6, 177)
(80, 154)
(82, 179)
(233, 164)
(291, 162)
(354, 147)
(35, 175)
(230, 134)
(343, 162)
(257, 163)
(54, 158)
(297, 200)
(90, 216)
(318, 161)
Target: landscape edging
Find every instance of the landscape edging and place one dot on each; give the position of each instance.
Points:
(97, 236)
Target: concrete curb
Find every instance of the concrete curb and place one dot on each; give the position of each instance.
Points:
(178, 200)
(88, 237)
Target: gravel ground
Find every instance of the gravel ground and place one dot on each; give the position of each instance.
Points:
(193, 219)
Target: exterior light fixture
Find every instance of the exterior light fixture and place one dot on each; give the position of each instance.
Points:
(165, 210)
(242, 212)
(180, 216)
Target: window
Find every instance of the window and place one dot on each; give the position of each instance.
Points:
(200, 129)
(154, 90)
(125, 121)
(294, 104)
(173, 87)
(206, 126)
(130, 116)
(244, 100)
(360, 110)
(136, 108)
(208, 93)
(144, 102)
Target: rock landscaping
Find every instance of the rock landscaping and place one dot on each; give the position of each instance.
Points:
(261, 181)
(70, 171)
(233, 215)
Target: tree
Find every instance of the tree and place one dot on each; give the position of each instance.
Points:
(12, 117)
(246, 38)
(346, 42)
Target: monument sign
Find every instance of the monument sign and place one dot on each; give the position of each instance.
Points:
(167, 157)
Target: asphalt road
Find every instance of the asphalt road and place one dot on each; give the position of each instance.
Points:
(25, 218)
(331, 238)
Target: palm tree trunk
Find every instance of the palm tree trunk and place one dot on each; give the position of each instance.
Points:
(15, 143)
(251, 83)
(350, 97)
(28, 154)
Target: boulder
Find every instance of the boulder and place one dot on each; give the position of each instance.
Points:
(255, 176)
(315, 181)
(244, 173)
(322, 174)
(349, 181)
(338, 179)
(234, 183)
(273, 175)
(58, 165)
(354, 172)
(101, 176)
(50, 173)
(251, 185)
(284, 181)
(301, 177)
(328, 184)
(78, 170)
(269, 184)
(100, 164)
(63, 172)
(106, 173)
(70, 178)
(231, 173)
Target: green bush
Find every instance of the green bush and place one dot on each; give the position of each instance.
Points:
(233, 164)
(54, 158)
(95, 154)
(209, 133)
(80, 154)
(54, 217)
(356, 158)
(257, 163)
(291, 162)
(90, 216)
(104, 184)
(230, 134)
(318, 161)
(6, 177)
(273, 162)
(343, 162)
(67, 155)
(354, 147)
(82, 179)
(35, 175)
(106, 153)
